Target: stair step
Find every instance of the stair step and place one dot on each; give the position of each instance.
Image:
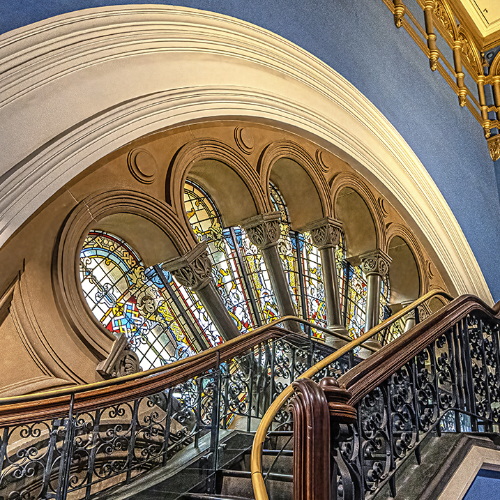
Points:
(279, 433)
(286, 478)
(207, 496)
(283, 453)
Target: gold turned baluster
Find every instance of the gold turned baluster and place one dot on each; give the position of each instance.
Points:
(399, 12)
(431, 36)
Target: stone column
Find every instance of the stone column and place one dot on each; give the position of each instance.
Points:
(264, 232)
(325, 234)
(409, 317)
(375, 265)
(194, 270)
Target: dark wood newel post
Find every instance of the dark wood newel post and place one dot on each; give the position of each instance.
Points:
(314, 408)
(341, 414)
(311, 462)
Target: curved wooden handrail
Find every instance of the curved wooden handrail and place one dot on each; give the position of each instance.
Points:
(93, 396)
(221, 348)
(49, 404)
(365, 377)
(259, 487)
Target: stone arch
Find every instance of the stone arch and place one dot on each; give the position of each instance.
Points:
(299, 178)
(407, 273)
(107, 211)
(45, 146)
(361, 211)
(223, 172)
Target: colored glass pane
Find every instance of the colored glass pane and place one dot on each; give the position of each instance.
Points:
(302, 265)
(356, 301)
(238, 267)
(128, 302)
(258, 276)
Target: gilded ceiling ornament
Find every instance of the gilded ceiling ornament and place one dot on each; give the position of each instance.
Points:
(399, 13)
(193, 270)
(375, 263)
(263, 230)
(440, 13)
(494, 147)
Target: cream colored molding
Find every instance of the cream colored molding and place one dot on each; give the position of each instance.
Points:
(477, 458)
(78, 86)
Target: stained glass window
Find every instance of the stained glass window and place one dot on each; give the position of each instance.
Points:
(302, 264)
(126, 299)
(355, 305)
(238, 267)
(353, 292)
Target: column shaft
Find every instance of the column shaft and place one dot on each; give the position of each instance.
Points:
(374, 282)
(212, 302)
(194, 270)
(331, 286)
(264, 232)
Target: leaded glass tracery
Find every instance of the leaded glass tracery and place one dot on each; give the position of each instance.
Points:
(239, 270)
(127, 301)
(302, 264)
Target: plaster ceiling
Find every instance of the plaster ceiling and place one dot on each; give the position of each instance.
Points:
(485, 14)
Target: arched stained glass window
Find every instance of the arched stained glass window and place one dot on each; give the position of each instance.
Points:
(128, 300)
(238, 267)
(353, 293)
(302, 264)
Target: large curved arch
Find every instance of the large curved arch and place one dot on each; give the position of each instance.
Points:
(57, 123)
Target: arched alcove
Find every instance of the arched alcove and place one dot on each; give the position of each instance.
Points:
(296, 186)
(403, 272)
(357, 220)
(148, 239)
(227, 189)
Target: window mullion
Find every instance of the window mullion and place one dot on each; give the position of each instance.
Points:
(300, 268)
(250, 290)
(182, 311)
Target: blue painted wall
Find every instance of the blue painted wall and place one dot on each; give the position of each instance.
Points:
(360, 41)
(486, 486)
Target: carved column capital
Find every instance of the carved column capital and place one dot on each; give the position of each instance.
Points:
(375, 263)
(193, 269)
(494, 147)
(325, 233)
(263, 230)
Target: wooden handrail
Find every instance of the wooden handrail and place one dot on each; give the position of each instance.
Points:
(32, 408)
(221, 348)
(49, 404)
(259, 487)
(365, 377)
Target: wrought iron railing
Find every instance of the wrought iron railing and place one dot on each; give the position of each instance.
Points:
(279, 414)
(79, 442)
